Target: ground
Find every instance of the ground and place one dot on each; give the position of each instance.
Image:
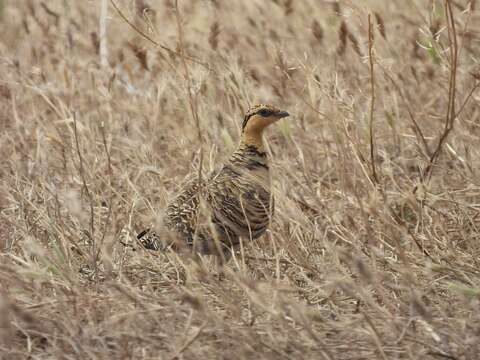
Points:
(374, 249)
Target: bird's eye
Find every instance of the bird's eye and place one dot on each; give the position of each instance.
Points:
(264, 112)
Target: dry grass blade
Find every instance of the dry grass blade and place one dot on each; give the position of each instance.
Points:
(354, 263)
(213, 37)
(91, 233)
(342, 36)
(317, 31)
(372, 99)
(381, 25)
(452, 90)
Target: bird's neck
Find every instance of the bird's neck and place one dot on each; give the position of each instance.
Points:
(252, 138)
(250, 154)
(250, 158)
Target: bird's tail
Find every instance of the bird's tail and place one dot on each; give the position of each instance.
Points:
(149, 240)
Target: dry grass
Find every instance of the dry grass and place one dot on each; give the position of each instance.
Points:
(357, 265)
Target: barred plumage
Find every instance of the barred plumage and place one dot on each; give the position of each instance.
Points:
(233, 202)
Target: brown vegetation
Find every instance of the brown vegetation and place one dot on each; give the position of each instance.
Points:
(374, 249)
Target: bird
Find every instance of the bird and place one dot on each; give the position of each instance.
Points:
(213, 214)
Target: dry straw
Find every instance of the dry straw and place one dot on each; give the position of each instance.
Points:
(374, 247)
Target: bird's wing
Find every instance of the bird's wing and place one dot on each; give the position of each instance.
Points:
(181, 212)
(241, 208)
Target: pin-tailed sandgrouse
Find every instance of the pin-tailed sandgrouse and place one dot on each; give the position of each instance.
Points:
(210, 215)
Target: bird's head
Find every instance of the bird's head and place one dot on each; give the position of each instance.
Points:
(258, 117)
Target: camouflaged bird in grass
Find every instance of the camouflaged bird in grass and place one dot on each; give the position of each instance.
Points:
(211, 215)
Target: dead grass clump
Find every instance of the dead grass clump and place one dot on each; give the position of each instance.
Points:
(374, 248)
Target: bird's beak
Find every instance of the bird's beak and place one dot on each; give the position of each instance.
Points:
(282, 114)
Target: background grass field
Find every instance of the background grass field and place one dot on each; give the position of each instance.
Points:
(373, 252)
